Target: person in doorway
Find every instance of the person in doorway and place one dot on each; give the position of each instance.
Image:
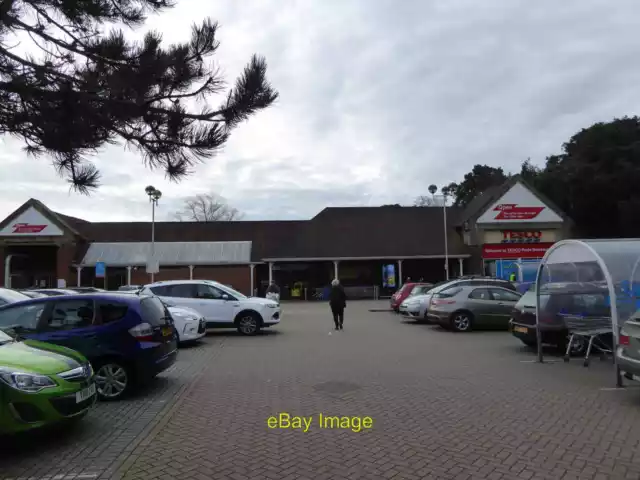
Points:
(337, 302)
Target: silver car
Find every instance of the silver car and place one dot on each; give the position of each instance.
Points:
(628, 353)
(418, 305)
(463, 308)
(410, 307)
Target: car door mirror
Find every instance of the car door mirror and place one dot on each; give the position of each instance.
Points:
(225, 297)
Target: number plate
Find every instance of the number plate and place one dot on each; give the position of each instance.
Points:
(85, 393)
(521, 329)
(167, 331)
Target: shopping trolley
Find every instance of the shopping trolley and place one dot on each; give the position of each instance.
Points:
(591, 329)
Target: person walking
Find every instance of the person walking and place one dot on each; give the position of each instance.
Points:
(337, 302)
(273, 291)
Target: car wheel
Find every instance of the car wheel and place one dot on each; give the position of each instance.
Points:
(461, 321)
(248, 323)
(113, 380)
(530, 343)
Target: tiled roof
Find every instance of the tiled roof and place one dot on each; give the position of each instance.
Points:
(352, 232)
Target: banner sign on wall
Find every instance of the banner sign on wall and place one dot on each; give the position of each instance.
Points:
(389, 275)
(500, 251)
(100, 269)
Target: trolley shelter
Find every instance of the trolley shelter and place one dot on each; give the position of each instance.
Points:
(606, 273)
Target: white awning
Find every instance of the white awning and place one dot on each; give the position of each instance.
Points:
(168, 253)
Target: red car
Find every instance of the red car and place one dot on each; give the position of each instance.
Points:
(401, 295)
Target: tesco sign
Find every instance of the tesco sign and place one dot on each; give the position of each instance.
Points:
(521, 236)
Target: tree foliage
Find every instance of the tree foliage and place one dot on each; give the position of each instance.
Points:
(87, 87)
(207, 208)
(427, 201)
(595, 179)
(478, 180)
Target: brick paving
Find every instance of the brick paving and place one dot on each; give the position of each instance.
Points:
(444, 406)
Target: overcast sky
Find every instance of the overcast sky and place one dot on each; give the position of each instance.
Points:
(378, 99)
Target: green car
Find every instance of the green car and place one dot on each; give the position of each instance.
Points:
(41, 384)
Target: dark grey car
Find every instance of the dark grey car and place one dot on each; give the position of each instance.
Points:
(628, 354)
(465, 308)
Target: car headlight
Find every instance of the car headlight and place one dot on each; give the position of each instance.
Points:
(25, 381)
(272, 305)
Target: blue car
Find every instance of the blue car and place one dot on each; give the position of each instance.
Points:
(128, 339)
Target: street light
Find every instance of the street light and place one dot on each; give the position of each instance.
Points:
(445, 191)
(154, 195)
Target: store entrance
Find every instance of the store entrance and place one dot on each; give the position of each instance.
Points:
(32, 266)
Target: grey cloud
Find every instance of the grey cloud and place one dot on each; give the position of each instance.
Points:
(380, 98)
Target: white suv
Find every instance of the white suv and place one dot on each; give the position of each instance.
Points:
(221, 306)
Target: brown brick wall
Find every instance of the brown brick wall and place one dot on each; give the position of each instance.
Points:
(239, 276)
(64, 258)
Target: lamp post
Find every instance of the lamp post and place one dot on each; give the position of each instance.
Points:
(154, 195)
(445, 191)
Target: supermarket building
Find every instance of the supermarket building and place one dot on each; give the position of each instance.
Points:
(40, 247)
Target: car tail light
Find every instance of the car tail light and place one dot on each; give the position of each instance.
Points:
(442, 302)
(142, 332)
(624, 339)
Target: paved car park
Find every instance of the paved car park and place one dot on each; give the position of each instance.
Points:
(443, 405)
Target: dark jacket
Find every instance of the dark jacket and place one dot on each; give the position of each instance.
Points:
(337, 297)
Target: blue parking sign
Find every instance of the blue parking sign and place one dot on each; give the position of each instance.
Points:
(100, 269)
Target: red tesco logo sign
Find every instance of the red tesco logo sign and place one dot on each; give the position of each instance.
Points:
(515, 236)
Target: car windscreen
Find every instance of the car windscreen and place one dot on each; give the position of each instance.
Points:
(528, 299)
(420, 289)
(154, 311)
(11, 296)
(4, 337)
(25, 317)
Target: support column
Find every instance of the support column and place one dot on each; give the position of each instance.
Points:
(400, 280)
(129, 268)
(461, 264)
(335, 269)
(190, 272)
(78, 276)
(270, 272)
(7, 271)
(252, 269)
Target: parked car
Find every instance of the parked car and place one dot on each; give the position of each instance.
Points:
(463, 308)
(86, 289)
(128, 339)
(129, 288)
(628, 352)
(416, 307)
(404, 291)
(32, 294)
(41, 384)
(7, 295)
(557, 299)
(418, 289)
(221, 306)
(190, 324)
(52, 292)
